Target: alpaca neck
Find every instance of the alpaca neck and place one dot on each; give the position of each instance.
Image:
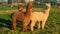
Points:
(46, 12)
(28, 12)
(47, 9)
(20, 10)
(29, 9)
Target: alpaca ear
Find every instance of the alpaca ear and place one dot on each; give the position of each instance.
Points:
(47, 5)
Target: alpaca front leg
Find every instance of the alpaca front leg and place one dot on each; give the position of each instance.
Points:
(32, 25)
(43, 24)
(39, 25)
(14, 25)
(25, 26)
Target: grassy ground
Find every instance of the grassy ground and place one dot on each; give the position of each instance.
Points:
(52, 25)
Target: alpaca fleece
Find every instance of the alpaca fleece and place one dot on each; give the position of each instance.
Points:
(40, 17)
(23, 17)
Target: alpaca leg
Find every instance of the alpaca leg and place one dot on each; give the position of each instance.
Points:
(14, 25)
(32, 25)
(43, 24)
(39, 25)
(25, 26)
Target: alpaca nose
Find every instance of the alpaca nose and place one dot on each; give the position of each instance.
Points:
(20, 9)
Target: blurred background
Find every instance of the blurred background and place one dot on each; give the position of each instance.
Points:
(5, 2)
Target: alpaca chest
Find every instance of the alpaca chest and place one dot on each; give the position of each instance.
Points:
(20, 16)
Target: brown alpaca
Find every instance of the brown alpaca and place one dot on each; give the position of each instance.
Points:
(23, 17)
(40, 17)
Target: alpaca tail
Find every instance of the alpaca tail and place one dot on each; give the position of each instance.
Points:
(11, 15)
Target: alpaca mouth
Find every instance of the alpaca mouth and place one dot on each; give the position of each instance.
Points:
(20, 9)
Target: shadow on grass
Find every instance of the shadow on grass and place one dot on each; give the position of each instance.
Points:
(5, 23)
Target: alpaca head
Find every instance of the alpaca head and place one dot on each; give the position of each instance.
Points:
(29, 5)
(47, 5)
(20, 7)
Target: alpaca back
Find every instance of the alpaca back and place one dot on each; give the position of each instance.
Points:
(37, 16)
(19, 16)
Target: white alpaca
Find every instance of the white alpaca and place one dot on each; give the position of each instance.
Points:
(40, 16)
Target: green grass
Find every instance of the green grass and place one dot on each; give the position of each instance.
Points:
(7, 7)
(52, 25)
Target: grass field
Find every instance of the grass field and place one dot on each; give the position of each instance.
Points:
(52, 25)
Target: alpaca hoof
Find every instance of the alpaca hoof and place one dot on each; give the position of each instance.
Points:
(24, 30)
(13, 28)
